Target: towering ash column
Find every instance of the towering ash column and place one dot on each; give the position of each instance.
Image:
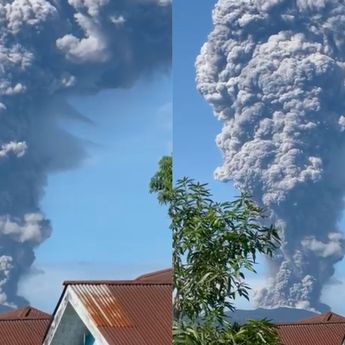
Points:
(274, 72)
(50, 50)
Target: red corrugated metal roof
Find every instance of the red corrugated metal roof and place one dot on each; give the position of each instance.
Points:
(136, 312)
(327, 317)
(26, 313)
(25, 326)
(324, 329)
(164, 276)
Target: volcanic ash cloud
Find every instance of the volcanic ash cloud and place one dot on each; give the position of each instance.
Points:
(273, 71)
(50, 51)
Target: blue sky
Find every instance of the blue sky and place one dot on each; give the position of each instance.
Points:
(105, 223)
(195, 128)
(195, 152)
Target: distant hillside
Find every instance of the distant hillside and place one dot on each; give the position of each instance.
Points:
(274, 315)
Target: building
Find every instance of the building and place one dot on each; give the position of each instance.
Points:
(129, 312)
(25, 326)
(324, 329)
(133, 312)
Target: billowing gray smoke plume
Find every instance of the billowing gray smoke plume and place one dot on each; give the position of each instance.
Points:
(49, 51)
(274, 72)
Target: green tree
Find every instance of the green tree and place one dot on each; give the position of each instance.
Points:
(162, 182)
(214, 244)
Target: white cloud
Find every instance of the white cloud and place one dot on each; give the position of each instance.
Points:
(93, 6)
(333, 247)
(33, 228)
(16, 148)
(118, 20)
(91, 48)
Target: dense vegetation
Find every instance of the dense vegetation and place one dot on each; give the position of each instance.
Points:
(214, 244)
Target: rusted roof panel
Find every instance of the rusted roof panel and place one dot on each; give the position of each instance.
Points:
(25, 326)
(137, 312)
(104, 308)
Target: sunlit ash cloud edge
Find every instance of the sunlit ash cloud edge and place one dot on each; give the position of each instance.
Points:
(273, 72)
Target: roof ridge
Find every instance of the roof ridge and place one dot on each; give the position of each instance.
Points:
(26, 319)
(299, 323)
(150, 274)
(113, 282)
(24, 313)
